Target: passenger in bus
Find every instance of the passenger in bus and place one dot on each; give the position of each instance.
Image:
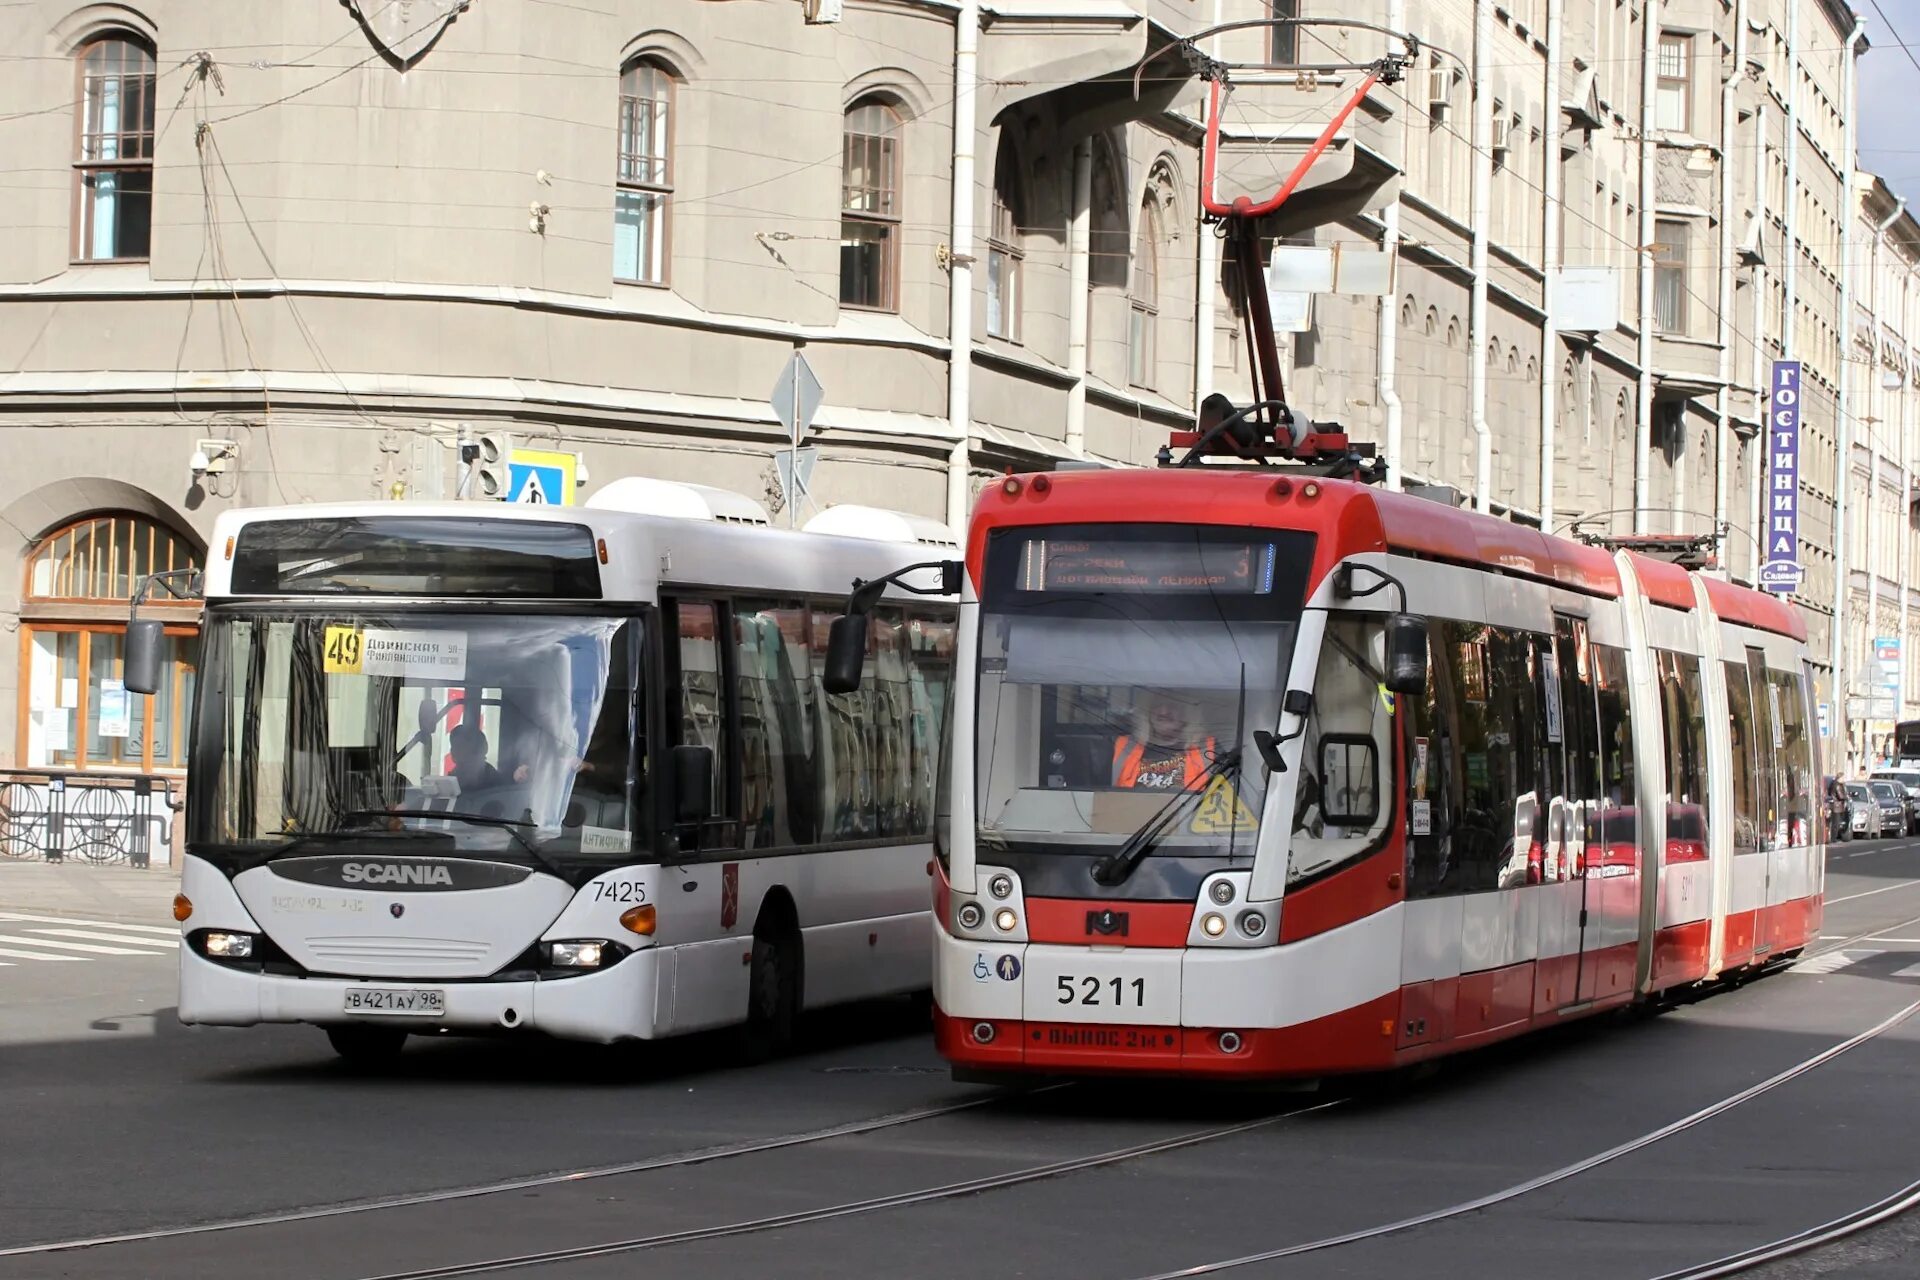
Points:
(470, 767)
(1163, 753)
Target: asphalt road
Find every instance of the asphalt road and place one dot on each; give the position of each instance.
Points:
(1627, 1149)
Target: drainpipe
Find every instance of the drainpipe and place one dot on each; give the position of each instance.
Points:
(1387, 349)
(1877, 399)
(1482, 214)
(1761, 288)
(1078, 252)
(1843, 449)
(1904, 524)
(1643, 433)
(966, 75)
(1549, 263)
(1206, 267)
(1729, 263)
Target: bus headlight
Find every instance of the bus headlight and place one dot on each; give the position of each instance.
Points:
(1252, 923)
(576, 955)
(1004, 919)
(970, 915)
(1000, 886)
(227, 946)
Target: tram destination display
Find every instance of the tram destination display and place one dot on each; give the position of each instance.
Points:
(1147, 567)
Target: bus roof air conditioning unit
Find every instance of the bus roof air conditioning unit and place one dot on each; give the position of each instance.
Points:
(643, 495)
(850, 520)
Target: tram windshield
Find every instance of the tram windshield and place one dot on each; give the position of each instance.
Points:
(1123, 672)
(491, 735)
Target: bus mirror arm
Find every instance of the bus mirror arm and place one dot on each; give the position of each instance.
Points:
(1299, 703)
(847, 639)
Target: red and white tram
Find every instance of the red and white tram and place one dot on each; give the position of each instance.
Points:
(1189, 828)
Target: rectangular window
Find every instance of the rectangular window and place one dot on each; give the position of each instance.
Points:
(773, 678)
(1747, 807)
(1670, 277)
(1684, 735)
(1285, 44)
(645, 178)
(870, 207)
(697, 676)
(1673, 104)
(113, 172)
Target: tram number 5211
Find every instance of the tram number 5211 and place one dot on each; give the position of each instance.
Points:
(1093, 991)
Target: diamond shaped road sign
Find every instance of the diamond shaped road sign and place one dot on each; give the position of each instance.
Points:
(797, 489)
(796, 397)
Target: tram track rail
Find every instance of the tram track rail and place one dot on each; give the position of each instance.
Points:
(1830, 1232)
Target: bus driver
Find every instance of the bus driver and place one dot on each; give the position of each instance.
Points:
(1163, 753)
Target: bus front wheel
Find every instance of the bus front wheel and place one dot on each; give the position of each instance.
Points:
(366, 1044)
(773, 996)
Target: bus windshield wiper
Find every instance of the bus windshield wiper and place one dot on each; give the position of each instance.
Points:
(1124, 861)
(509, 825)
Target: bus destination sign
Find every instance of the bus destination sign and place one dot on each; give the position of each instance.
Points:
(1079, 564)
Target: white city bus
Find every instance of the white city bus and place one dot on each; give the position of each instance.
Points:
(561, 770)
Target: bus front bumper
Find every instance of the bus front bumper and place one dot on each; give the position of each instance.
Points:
(614, 1004)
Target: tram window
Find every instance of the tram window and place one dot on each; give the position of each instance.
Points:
(1518, 748)
(1746, 801)
(1579, 724)
(1339, 812)
(1770, 812)
(702, 708)
(1468, 785)
(1429, 768)
(1617, 837)
(1684, 735)
(776, 738)
(1795, 757)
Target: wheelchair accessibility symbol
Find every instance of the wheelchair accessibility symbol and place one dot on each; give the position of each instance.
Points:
(981, 972)
(1008, 967)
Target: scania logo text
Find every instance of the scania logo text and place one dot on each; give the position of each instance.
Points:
(395, 873)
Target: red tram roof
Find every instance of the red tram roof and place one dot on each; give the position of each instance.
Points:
(1350, 519)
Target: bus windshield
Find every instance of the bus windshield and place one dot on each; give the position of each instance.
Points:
(1122, 667)
(496, 734)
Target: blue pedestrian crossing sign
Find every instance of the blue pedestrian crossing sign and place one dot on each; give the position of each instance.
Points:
(542, 477)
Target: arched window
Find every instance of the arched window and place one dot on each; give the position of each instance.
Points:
(870, 207)
(1145, 298)
(644, 184)
(76, 711)
(1005, 253)
(113, 167)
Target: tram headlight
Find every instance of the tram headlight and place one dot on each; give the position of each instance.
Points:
(1004, 919)
(1213, 924)
(227, 946)
(1252, 923)
(588, 954)
(970, 915)
(1000, 886)
(1222, 892)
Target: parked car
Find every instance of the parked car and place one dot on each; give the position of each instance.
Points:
(1838, 826)
(1894, 811)
(1908, 780)
(1863, 811)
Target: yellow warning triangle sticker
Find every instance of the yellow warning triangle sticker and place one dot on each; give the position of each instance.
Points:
(1222, 811)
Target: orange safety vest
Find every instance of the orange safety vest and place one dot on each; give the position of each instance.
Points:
(1128, 756)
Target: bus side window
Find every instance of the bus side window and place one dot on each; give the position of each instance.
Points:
(696, 674)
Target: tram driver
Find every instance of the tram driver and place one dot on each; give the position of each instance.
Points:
(1164, 751)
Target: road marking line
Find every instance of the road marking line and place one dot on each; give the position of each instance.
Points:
(35, 955)
(1911, 971)
(91, 924)
(74, 946)
(1833, 961)
(1908, 941)
(101, 935)
(1887, 888)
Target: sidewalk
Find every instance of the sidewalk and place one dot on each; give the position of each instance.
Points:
(93, 892)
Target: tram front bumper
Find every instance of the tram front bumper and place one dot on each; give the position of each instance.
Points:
(617, 1003)
(1267, 1011)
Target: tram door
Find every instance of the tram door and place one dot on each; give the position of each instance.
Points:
(1769, 795)
(1580, 739)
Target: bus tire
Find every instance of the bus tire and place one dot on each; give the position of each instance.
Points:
(773, 996)
(367, 1044)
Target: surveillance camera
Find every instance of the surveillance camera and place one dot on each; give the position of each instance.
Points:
(199, 462)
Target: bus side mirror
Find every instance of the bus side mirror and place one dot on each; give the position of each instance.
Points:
(1406, 654)
(692, 784)
(146, 641)
(846, 653)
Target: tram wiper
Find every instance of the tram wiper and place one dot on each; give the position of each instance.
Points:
(1124, 861)
(509, 825)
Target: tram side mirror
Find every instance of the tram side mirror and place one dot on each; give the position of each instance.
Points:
(146, 638)
(846, 653)
(692, 784)
(1406, 654)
